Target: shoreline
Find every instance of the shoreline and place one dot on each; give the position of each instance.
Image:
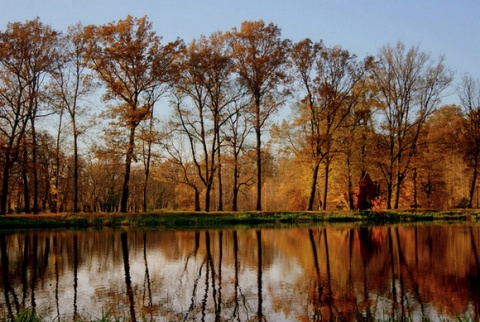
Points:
(196, 220)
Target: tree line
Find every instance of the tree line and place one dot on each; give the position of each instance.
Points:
(109, 118)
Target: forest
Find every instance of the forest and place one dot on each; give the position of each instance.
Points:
(109, 118)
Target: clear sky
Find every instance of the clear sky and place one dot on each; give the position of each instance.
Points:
(439, 27)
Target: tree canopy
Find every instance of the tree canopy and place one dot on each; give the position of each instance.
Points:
(108, 118)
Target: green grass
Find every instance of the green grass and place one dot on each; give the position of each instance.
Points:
(198, 220)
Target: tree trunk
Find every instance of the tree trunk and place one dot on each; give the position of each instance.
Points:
(351, 205)
(474, 180)
(235, 181)
(197, 199)
(208, 191)
(147, 163)
(325, 191)
(26, 190)
(397, 188)
(219, 174)
(75, 169)
(415, 203)
(259, 154)
(128, 164)
(259, 170)
(313, 187)
(35, 167)
(5, 186)
(389, 194)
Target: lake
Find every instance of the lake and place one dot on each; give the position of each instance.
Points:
(348, 272)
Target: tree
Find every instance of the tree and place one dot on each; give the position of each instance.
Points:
(133, 65)
(470, 99)
(410, 85)
(330, 98)
(27, 53)
(72, 85)
(260, 56)
(236, 134)
(203, 92)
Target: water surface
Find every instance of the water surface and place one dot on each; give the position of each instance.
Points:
(295, 274)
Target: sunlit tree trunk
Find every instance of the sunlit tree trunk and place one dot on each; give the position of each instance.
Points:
(128, 164)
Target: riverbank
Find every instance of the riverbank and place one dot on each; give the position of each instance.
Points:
(178, 219)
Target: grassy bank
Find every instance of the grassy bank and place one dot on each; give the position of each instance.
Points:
(221, 219)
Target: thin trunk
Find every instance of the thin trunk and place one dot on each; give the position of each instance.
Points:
(474, 180)
(128, 164)
(397, 190)
(235, 175)
(259, 170)
(259, 155)
(147, 163)
(35, 167)
(57, 161)
(325, 191)
(26, 190)
(219, 174)
(75, 169)
(350, 183)
(415, 205)
(313, 187)
(235, 185)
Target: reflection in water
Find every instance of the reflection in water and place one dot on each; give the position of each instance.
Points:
(128, 281)
(317, 273)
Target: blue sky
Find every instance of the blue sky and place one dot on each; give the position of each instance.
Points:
(438, 27)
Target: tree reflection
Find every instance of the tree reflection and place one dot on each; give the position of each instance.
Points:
(24, 266)
(260, 316)
(7, 287)
(75, 276)
(316, 297)
(34, 272)
(235, 280)
(146, 284)
(476, 279)
(57, 275)
(218, 309)
(128, 281)
(318, 273)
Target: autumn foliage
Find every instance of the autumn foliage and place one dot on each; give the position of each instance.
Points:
(109, 118)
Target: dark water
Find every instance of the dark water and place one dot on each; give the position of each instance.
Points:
(296, 274)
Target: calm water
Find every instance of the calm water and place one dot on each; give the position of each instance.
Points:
(296, 274)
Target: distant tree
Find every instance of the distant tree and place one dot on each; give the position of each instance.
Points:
(260, 56)
(133, 65)
(410, 85)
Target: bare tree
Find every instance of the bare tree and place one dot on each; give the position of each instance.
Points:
(409, 85)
